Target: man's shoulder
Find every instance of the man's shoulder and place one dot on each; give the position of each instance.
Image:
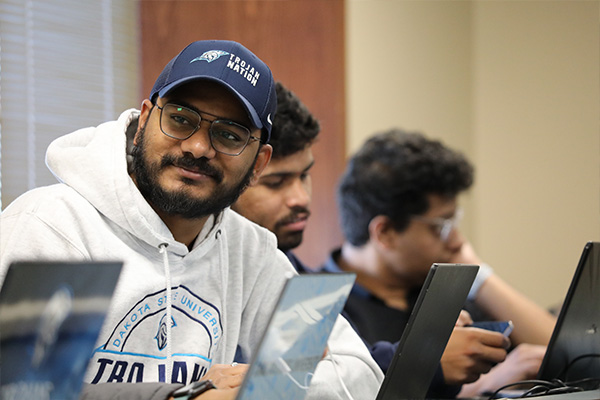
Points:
(242, 225)
(251, 245)
(47, 199)
(298, 265)
(243, 230)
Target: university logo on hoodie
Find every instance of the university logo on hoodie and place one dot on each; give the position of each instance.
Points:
(136, 350)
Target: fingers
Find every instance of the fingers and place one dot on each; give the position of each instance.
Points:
(530, 351)
(471, 352)
(528, 359)
(475, 354)
(492, 338)
(522, 363)
(490, 346)
(227, 376)
(464, 318)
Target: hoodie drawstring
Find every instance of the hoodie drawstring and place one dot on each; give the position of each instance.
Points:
(163, 249)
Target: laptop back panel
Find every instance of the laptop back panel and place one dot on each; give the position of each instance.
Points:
(428, 329)
(296, 336)
(50, 317)
(574, 349)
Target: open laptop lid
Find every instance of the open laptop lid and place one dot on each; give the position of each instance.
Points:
(296, 336)
(428, 329)
(50, 317)
(574, 349)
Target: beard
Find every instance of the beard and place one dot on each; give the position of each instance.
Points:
(290, 240)
(181, 202)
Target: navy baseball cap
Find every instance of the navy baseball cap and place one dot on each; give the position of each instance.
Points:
(232, 65)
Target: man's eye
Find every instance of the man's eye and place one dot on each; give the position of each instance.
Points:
(226, 135)
(273, 184)
(180, 120)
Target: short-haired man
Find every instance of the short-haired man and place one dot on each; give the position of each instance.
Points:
(280, 199)
(199, 282)
(399, 213)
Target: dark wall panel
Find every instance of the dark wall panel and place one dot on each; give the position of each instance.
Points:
(303, 43)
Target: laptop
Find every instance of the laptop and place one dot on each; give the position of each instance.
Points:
(428, 329)
(296, 336)
(50, 317)
(574, 349)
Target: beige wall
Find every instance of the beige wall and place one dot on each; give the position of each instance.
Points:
(515, 85)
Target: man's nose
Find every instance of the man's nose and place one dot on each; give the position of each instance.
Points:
(455, 240)
(299, 194)
(199, 144)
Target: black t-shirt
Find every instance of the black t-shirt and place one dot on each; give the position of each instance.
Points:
(373, 319)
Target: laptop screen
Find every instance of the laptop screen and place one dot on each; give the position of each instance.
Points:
(296, 336)
(50, 317)
(574, 349)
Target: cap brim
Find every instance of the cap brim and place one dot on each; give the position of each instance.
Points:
(249, 109)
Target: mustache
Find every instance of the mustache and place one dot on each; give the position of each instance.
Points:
(200, 165)
(297, 214)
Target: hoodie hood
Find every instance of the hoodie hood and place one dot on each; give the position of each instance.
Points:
(103, 180)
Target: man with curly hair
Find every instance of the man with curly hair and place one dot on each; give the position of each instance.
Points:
(399, 213)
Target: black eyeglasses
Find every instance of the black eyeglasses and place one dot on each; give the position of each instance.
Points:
(226, 137)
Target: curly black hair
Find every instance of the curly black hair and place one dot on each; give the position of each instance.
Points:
(294, 127)
(392, 175)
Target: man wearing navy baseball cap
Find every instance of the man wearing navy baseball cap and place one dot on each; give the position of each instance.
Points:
(153, 189)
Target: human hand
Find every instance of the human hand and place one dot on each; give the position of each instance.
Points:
(522, 363)
(471, 352)
(225, 376)
(464, 319)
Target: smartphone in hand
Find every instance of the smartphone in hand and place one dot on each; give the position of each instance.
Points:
(504, 327)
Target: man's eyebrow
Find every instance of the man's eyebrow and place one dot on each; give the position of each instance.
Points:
(184, 103)
(446, 215)
(194, 108)
(309, 166)
(284, 172)
(274, 175)
(288, 173)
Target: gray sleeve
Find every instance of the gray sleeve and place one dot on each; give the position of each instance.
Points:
(128, 391)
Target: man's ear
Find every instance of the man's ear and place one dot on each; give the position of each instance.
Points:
(382, 232)
(262, 160)
(144, 116)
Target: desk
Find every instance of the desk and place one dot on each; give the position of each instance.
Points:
(585, 395)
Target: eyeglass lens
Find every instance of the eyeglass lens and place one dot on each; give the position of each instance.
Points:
(449, 225)
(226, 136)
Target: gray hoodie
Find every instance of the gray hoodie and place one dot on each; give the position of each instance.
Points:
(218, 297)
